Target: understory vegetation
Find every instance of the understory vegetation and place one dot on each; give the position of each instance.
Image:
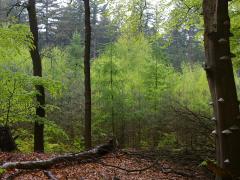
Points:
(138, 96)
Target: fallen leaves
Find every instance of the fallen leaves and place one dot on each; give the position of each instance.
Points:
(105, 169)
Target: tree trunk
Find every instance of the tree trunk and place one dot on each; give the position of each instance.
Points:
(220, 76)
(37, 71)
(47, 24)
(88, 138)
(112, 96)
(7, 142)
(94, 24)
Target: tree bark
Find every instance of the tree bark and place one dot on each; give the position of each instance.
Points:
(7, 142)
(87, 72)
(37, 71)
(220, 76)
(47, 24)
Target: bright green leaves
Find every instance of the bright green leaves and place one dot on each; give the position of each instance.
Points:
(184, 14)
(17, 85)
(13, 39)
(2, 171)
(16, 97)
(15, 91)
(124, 83)
(235, 26)
(191, 89)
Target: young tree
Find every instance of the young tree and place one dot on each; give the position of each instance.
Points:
(87, 82)
(37, 71)
(220, 76)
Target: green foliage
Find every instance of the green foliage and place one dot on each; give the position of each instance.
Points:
(56, 139)
(14, 37)
(25, 141)
(148, 88)
(17, 86)
(168, 141)
(53, 142)
(2, 171)
(16, 97)
(205, 163)
(192, 89)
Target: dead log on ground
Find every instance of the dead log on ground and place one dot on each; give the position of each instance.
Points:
(45, 164)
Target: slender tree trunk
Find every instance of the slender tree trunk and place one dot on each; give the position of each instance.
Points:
(37, 71)
(94, 24)
(87, 72)
(222, 86)
(47, 24)
(112, 97)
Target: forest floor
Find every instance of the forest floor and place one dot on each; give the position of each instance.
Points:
(114, 166)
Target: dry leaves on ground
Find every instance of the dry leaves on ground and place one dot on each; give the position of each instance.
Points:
(112, 166)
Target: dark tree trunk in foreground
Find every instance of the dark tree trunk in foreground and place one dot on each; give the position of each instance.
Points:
(37, 71)
(87, 138)
(7, 142)
(222, 86)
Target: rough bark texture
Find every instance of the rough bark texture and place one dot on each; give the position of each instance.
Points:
(220, 76)
(87, 73)
(7, 143)
(37, 71)
(45, 164)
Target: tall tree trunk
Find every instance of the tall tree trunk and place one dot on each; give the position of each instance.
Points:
(219, 71)
(87, 72)
(94, 24)
(37, 71)
(112, 96)
(47, 24)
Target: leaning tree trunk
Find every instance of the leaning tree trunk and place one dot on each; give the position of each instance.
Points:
(37, 71)
(220, 76)
(87, 137)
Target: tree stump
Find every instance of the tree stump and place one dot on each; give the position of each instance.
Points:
(7, 142)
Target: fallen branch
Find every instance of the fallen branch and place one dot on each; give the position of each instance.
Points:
(45, 164)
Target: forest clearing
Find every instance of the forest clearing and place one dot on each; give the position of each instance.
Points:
(119, 89)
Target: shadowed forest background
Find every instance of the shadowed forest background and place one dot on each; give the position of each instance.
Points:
(148, 86)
